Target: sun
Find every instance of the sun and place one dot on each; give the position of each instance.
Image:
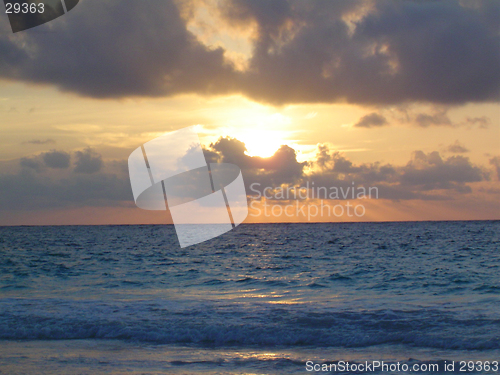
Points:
(263, 133)
(262, 143)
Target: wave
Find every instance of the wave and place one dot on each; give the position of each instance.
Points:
(227, 325)
(219, 335)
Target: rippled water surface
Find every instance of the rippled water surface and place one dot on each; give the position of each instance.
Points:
(259, 299)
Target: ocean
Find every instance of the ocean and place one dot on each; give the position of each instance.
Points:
(261, 299)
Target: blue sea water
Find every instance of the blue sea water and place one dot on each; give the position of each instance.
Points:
(261, 299)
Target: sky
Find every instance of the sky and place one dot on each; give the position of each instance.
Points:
(401, 96)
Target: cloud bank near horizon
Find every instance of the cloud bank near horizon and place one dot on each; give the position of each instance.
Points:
(56, 178)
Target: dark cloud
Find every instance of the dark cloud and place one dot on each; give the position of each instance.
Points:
(425, 120)
(56, 159)
(457, 148)
(230, 150)
(280, 168)
(401, 51)
(431, 172)
(32, 163)
(334, 161)
(270, 16)
(314, 51)
(28, 191)
(426, 176)
(88, 161)
(436, 115)
(333, 169)
(495, 162)
(371, 120)
(40, 141)
(482, 122)
(422, 178)
(115, 49)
